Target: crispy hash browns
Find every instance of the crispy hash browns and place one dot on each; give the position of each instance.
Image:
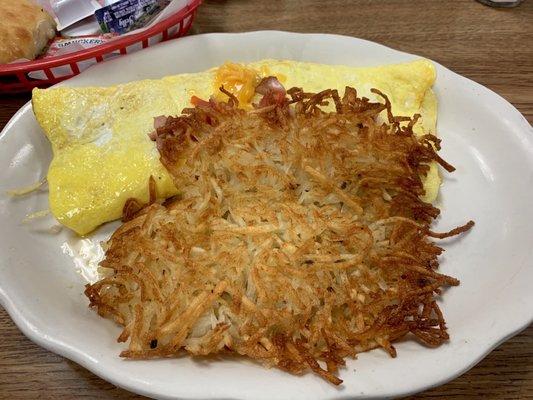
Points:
(298, 239)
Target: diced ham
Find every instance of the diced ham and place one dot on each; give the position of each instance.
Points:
(272, 90)
(159, 122)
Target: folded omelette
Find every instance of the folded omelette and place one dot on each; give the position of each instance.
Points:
(102, 154)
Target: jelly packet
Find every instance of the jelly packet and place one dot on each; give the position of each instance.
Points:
(61, 46)
(125, 16)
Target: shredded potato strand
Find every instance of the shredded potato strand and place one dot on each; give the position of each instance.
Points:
(298, 238)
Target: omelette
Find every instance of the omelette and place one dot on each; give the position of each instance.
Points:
(102, 154)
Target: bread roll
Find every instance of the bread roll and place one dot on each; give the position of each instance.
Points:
(25, 30)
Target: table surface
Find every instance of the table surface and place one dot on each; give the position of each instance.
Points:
(491, 46)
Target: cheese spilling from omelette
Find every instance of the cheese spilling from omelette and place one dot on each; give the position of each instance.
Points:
(99, 135)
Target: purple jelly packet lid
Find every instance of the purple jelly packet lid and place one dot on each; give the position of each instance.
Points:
(126, 15)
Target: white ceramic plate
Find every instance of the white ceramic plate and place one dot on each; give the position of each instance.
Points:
(486, 138)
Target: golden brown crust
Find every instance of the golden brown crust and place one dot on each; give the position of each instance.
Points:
(299, 238)
(25, 30)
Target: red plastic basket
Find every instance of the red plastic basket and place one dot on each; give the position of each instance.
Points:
(14, 77)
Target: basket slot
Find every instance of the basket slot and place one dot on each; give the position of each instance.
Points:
(110, 56)
(134, 47)
(188, 21)
(155, 39)
(173, 32)
(180, 30)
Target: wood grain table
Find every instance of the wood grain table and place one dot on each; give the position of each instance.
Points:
(491, 46)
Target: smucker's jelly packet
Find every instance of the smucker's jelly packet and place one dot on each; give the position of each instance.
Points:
(126, 15)
(63, 46)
